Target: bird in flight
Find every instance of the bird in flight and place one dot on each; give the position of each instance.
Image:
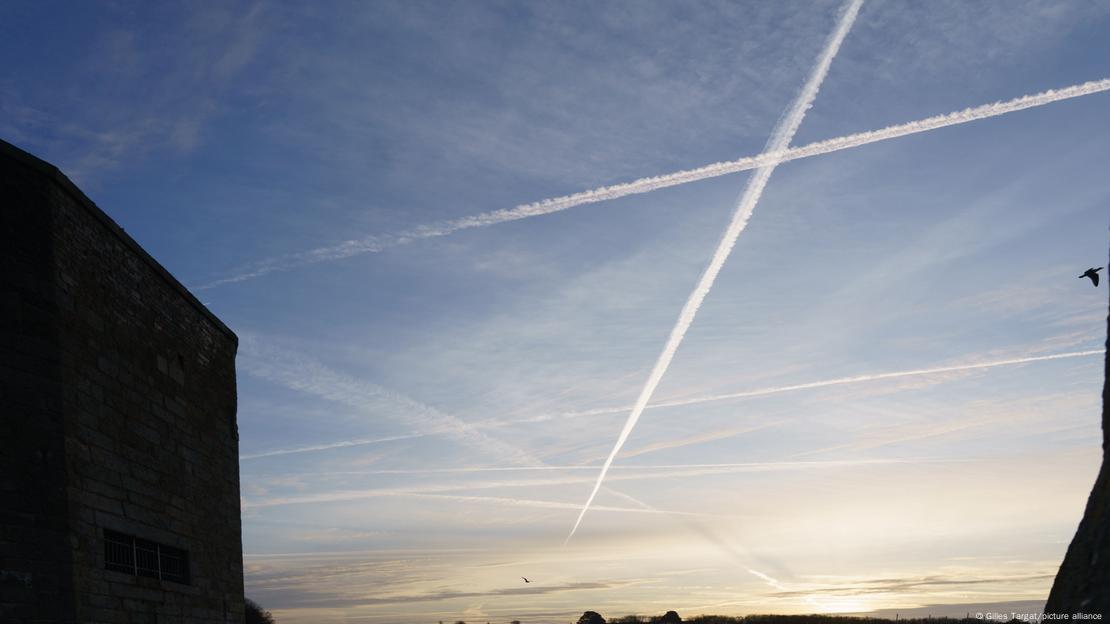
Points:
(526, 580)
(1093, 274)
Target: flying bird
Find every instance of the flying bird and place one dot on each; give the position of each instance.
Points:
(526, 580)
(1093, 274)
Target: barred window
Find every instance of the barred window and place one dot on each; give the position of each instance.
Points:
(132, 555)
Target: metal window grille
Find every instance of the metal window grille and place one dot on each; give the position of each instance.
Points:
(146, 559)
(132, 555)
(174, 564)
(119, 552)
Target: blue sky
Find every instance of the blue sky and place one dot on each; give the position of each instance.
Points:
(463, 390)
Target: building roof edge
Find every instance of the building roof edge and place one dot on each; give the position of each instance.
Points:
(11, 152)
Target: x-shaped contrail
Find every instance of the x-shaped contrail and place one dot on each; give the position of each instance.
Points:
(779, 140)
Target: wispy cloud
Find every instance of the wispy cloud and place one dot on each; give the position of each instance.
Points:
(305, 374)
(698, 438)
(678, 468)
(104, 121)
(333, 445)
(334, 497)
(745, 394)
(958, 368)
(890, 585)
(1027, 412)
(526, 590)
(780, 139)
(710, 536)
(771, 157)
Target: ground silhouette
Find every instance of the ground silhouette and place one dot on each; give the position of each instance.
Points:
(255, 614)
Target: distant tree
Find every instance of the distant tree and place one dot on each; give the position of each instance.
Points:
(714, 619)
(515, 622)
(255, 614)
(670, 617)
(591, 617)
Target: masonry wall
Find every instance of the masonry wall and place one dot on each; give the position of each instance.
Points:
(35, 554)
(135, 409)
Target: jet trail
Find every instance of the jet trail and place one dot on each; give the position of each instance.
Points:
(876, 377)
(334, 445)
(303, 374)
(779, 140)
(758, 392)
(515, 502)
(829, 382)
(373, 244)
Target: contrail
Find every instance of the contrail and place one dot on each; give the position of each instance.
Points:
(500, 500)
(304, 374)
(758, 392)
(711, 536)
(854, 380)
(779, 140)
(630, 472)
(334, 445)
(374, 244)
(601, 411)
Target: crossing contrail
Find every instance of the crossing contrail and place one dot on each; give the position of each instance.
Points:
(779, 140)
(378, 243)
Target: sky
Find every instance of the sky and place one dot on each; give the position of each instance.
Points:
(422, 418)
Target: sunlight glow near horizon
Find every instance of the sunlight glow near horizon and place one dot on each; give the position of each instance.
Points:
(222, 135)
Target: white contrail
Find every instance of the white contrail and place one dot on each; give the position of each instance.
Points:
(664, 470)
(500, 500)
(334, 445)
(304, 374)
(646, 185)
(758, 392)
(708, 534)
(767, 579)
(877, 377)
(779, 140)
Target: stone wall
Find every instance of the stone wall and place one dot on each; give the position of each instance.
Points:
(1083, 581)
(134, 413)
(35, 556)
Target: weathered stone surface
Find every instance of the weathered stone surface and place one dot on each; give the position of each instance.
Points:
(1083, 581)
(117, 411)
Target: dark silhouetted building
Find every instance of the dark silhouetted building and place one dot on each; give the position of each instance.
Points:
(119, 472)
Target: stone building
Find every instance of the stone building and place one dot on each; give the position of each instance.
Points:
(119, 472)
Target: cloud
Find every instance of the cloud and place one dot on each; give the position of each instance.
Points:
(699, 438)
(310, 599)
(1071, 340)
(304, 374)
(333, 445)
(909, 584)
(146, 82)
